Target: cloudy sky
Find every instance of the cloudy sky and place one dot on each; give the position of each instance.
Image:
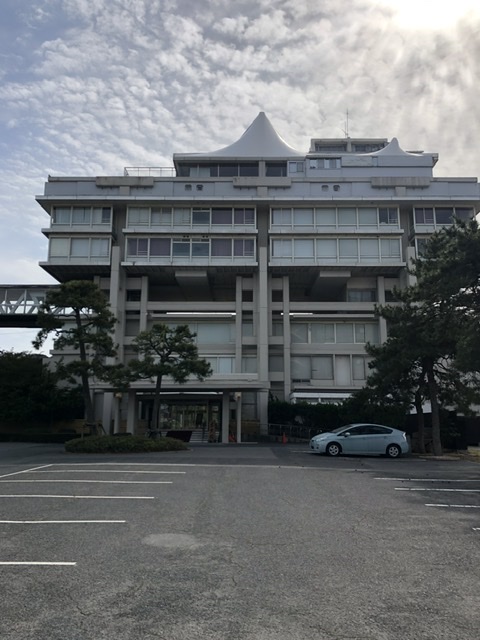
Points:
(88, 87)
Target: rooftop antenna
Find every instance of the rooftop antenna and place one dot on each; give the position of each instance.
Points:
(346, 131)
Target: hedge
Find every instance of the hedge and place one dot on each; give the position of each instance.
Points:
(125, 444)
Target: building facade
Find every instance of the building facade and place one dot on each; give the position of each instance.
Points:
(274, 257)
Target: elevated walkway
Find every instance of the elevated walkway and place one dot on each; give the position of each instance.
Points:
(19, 304)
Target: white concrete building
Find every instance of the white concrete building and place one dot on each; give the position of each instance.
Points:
(273, 256)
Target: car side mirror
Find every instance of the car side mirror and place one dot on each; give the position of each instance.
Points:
(346, 434)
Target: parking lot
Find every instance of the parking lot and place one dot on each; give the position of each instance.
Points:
(242, 542)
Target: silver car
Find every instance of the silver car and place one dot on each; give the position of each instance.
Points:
(361, 439)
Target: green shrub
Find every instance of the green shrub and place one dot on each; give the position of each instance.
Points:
(122, 444)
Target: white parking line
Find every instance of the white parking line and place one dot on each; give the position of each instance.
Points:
(456, 506)
(445, 490)
(39, 564)
(426, 480)
(91, 481)
(62, 521)
(81, 497)
(108, 471)
(15, 473)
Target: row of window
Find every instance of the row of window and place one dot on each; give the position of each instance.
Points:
(231, 170)
(332, 249)
(335, 216)
(188, 216)
(79, 248)
(190, 248)
(334, 332)
(70, 216)
(441, 215)
(341, 368)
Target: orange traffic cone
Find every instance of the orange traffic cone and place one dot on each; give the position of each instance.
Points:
(284, 439)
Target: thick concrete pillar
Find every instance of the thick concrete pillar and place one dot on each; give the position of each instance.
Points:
(225, 415)
(132, 412)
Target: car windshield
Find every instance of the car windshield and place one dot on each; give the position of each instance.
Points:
(339, 429)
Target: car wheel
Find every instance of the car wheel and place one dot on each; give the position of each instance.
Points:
(333, 449)
(393, 451)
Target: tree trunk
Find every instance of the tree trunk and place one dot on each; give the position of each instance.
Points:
(156, 404)
(433, 393)
(420, 422)
(87, 398)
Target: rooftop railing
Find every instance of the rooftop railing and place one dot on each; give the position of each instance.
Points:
(155, 172)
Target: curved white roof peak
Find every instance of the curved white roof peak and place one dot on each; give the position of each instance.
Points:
(393, 148)
(260, 140)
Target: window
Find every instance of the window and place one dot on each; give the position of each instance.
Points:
(390, 248)
(303, 248)
(366, 333)
(275, 169)
(369, 249)
(275, 364)
(326, 216)
(299, 333)
(249, 364)
(367, 216)
(421, 246)
(161, 216)
(248, 169)
(160, 247)
(322, 368)
(424, 215)
(59, 247)
(134, 295)
(303, 217)
(300, 368)
(181, 216)
(462, 213)
(201, 216)
(180, 248)
(282, 217)
(347, 216)
(323, 333)
(295, 167)
(221, 364)
(348, 249)
(388, 215)
(359, 368)
(101, 215)
(244, 216)
(326, 163)
(344, 332)
(215, 333)
(61, 215)
(79, 248)
(227, 170)
(138, 216)
(222, 216)
(327, 249)
(99, 247)
(247, 328)
(444, 215)
(200, 248)
(221, 247)
(277, 328)
(137, 247)
(281, 248)
(361, 295)
(81, 215)
(244, 247)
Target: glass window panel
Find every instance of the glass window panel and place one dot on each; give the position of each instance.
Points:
(323, 333)
(462, 213)
(347, 216)
(299, 332)
(249, 364)
(227, 170)
(247, 328)
(300, 367)
(275, 364)
(215, 333)
(225, 365)
(344, 332)
(277, 329)
(322, 368)
(222, 216)
(200, 216)
(444, 215)
(348, 248)
(371, 333)
(282, 248)
(361, 295)
(282, 216)
(59, 247)
(303, 216)
(161, 216)
(99, 247)
(388, 215)
(303, 248)
(80, 247)
(369, 248)
(160, 247)
(180, 248)
(61, 215)
(221, 247)
(390, 247)
(367, 216)
(276, 169)
(181, 216)
(326, 216)
(81, 215)
(327, 248)
(244, 216)
(359, 368)
(138, 216)
(200, 249)
(248, 169)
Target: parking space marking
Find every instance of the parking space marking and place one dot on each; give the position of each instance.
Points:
(428, 480)
(444, 490)
(91, 481)
(39, 564)
(109, 471)
(15, 473)
(456, 506)
(62, 521)
(80, 497)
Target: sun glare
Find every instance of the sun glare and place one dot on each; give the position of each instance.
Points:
(431, 14)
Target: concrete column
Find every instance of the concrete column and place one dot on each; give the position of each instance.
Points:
(287, 372)
(144, 304)
(382, 323)
(107, 411)
(262, 404)
(238, 414)
(262, 306)
(117, 412)
(225, 415)
(238, 324)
